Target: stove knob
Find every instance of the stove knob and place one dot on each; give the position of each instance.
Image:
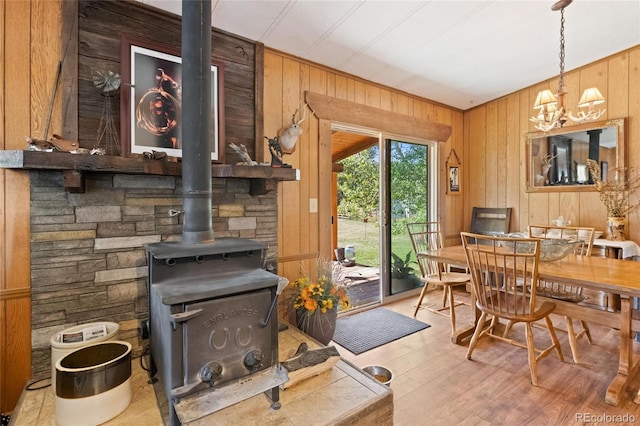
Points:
(210, 372)
(253, 360)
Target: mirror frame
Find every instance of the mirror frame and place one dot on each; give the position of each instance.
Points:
(619, 123)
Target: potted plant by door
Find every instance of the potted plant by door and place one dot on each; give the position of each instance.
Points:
(403, 274)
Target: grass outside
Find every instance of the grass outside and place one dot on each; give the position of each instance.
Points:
(365, 236)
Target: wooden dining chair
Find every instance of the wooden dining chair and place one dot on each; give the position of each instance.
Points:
(504, 273)
(426, 236)
(563, 291)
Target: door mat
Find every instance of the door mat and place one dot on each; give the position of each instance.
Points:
(367, 330)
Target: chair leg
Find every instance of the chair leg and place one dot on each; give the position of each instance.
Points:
(445, 290)
(554, 337)
(422, 293)
(573, 341)
(452, 309)
(587, 332)
(507, 329)
(476, 334)
(531, 354)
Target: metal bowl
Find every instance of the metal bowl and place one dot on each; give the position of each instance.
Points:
(382, 374)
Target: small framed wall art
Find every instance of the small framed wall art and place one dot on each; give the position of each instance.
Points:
(454, 170)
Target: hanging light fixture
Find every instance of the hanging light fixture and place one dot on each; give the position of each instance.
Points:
(550, 108)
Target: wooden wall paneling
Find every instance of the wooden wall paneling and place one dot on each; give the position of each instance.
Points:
(458, 202)
(4, 406)
(502, 158)
(572, 86)
(34, 28)
(594, 75)
(476, 160)
(385, 100)
(633, 135)
(515, 162)
(341, 87)
(324, 187)
(318, 80)
(521, 216)
(453, 204)
(351, 90)
(272, 99)
(372, 94)
(592, 211)
(553, 207)
(402, 104)
(617, 103)
(569, 207)
(18, 34)
(360, 92)
(491, 155)
(331, 84)
(538, 209)
(466, 189)
(291, 190)
(307, 158)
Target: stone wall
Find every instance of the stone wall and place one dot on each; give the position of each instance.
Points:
(88, 261)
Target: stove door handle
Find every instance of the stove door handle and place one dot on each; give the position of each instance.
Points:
(183, 317)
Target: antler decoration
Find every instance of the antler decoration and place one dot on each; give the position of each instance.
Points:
(289, 135)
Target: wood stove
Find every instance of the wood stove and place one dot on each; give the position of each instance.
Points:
(213, 335)
(213, 331)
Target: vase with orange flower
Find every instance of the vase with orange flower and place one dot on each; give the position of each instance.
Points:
(317, 302)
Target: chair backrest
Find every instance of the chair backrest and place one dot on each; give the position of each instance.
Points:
(504, 272)
(426, 236)
(490, 221)
(575, 233)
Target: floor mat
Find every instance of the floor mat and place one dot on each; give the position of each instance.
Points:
(367, 330)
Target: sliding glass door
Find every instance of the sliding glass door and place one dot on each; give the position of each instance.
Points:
(408, 200)
(386, 184)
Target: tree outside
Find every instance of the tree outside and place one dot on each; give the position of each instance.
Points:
(358, 198)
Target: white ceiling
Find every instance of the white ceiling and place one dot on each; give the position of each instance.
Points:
(460, 53)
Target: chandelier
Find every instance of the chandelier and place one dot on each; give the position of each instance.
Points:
(551, 110)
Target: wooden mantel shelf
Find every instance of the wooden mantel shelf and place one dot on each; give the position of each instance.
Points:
(263, 178)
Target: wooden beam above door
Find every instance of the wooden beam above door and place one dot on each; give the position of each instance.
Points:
(334, 109)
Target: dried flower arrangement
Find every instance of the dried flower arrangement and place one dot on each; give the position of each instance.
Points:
(319, 295)
(616, 188)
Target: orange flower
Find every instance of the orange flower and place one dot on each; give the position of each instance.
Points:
(310, 304)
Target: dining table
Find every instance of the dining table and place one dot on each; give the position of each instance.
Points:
(614, 276)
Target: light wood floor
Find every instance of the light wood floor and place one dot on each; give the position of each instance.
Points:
(434, 384)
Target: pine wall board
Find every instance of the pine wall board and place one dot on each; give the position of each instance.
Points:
(28, 57)
(494, 146)
(286, 80)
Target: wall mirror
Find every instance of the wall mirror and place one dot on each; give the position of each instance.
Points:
(557, 160)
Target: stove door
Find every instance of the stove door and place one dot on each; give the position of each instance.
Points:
(224, 342)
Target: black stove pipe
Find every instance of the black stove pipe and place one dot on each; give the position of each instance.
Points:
(197, 131)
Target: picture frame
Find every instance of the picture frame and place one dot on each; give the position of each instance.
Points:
(453, 175)
(454, 170)
(151, 104)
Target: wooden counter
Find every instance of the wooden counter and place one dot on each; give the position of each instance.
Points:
(344, 395)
